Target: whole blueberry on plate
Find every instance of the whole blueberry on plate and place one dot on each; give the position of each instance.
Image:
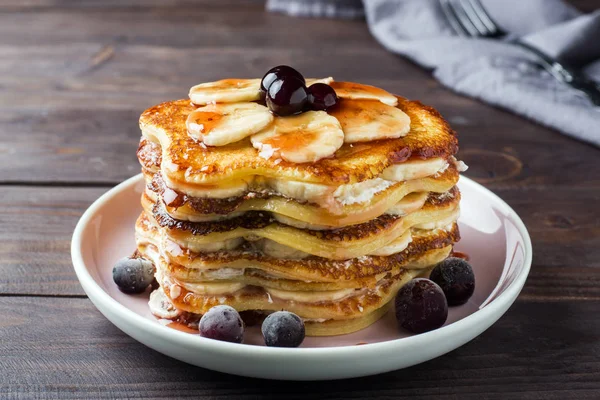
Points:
(456, 278)
(279, 72)
(222, 323)
(321, 96)
(133, 275)
(421, 306)
(287, 96)
(283, 329)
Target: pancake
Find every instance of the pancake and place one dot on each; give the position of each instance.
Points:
(240, 264)
(343, 304)
(340, 244)
(185, 161)
(326, 214)
(183, 207)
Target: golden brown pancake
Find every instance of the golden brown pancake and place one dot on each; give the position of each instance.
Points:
(339, 244)
(365, 300)
(182, 206)
(185, 160)
(331, 240)
(329, 274)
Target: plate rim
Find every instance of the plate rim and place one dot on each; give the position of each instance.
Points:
(96, 294)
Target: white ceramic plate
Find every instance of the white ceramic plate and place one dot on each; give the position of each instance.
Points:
(492, 234)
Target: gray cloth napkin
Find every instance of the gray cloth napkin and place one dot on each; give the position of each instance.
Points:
(494, 71)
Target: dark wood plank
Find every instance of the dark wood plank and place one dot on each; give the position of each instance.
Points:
(35, 259)
(35, 239)
(66, 349)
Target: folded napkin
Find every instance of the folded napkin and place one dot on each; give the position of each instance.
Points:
(494, 71)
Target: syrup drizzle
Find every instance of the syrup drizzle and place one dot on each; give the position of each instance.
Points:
(203, 121)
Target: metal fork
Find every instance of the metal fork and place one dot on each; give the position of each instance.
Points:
(469, 18)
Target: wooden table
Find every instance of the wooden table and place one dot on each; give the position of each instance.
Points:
(74, 79)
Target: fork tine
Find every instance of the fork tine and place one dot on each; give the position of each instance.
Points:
(485, 18)
(452, 18)
(474, 17)
(463, 19)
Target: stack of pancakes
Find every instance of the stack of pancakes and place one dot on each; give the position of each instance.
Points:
(332, 240)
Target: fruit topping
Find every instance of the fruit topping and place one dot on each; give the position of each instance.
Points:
(367, 120)
(421, 306)
(456, 278)
(283, 329)
(222, 323)
(221, 124)
(321, 97)
(358, 91)
(226, 91)
(133, 275)
(287, 96)
(307, 137)
(279, 72)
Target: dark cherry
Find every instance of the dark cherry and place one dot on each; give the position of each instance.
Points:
(421, 306)
(287, 96)
(321, 96)
(283, 329)
(456, 278)
(222, 323)
(279, 72)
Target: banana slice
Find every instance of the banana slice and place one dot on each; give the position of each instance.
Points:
(221, 124)
(276, 250)
(226, 91)
(409, 203)
(307, 137)
(357, 91)
(414, 169)
(396, 246)
(234, 90)
(367, 120)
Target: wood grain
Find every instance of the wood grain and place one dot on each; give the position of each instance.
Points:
(74, 77)
(554, 355)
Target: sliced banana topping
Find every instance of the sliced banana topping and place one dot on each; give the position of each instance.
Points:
(221, 124)
(226, 91)
(414, 169)
(296, 223)
(307, 137)
(161, 306)
(276, 250)
(366, 120)
(221, 190)
(234, 90)
(396, 246)
(409, 203)
(212, 247)
(213, 288)
(312, 192)
(357, 91)
(361, 192)
(312, 297)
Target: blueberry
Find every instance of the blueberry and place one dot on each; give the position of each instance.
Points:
(222, 323)
(421, 306)
(456, 278)
(133, 275)
(321, 96)
(287, 96)
(283, 329)
(279, 72)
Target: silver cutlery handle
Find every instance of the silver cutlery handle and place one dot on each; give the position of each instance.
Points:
(565, 74)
